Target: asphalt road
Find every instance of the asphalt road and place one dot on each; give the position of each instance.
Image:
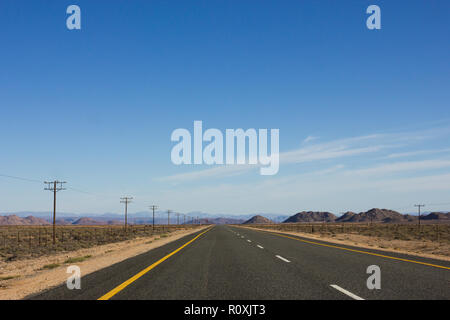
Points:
(230, 263)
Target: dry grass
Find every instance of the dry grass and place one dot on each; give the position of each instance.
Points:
(24, 242)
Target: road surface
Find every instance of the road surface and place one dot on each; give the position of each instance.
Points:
(229, 263)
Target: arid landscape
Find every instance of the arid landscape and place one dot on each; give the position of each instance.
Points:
(30, 274)
(27, 241)
(427, 240)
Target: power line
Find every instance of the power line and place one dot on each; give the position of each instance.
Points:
(40, 181)
(20, 178)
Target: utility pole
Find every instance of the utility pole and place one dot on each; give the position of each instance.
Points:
(419, 206)
(54, 186)
(126, 200)
(178, 218)
(153, 207)
(168, 216)
(184, 219)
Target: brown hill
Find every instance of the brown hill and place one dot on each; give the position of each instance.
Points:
(374, 215)
(88, 222)
(436, 216)
(17, 221)
(311, 216)
(258, 220)
(346, 216)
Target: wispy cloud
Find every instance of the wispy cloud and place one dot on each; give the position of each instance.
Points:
(335, 149)
(309, 139)
(416, 153)
(214, 172)
(396, 167)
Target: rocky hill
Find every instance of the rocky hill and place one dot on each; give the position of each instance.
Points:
(93, 222)
(436, 216)
(258, 220)
(311, 216)
(373, 215)
(17, 221)
(87, 222)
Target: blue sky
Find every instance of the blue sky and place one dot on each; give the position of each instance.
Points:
(364, 115)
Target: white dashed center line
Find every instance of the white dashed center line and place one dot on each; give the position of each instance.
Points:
(249, 240)
(259, 246)
(284, 259)
(348, 293)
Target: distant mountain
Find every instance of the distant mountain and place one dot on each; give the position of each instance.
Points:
(373, 215)
(258, 220)
(219, 221)
(92, 222)
(311, 216)
(347, 216)
(15, 220)
(436, 216)
(87, 222)
(143, 217)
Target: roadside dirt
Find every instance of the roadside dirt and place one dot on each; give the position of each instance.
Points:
(19, 279)
(426, 248)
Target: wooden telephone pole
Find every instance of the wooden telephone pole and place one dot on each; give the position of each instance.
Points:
(168, 216)
(126, 200)
(419, 206)
(153, 207)
(54, 186)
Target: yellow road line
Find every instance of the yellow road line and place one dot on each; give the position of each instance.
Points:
(122, 286)
(354, 250)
